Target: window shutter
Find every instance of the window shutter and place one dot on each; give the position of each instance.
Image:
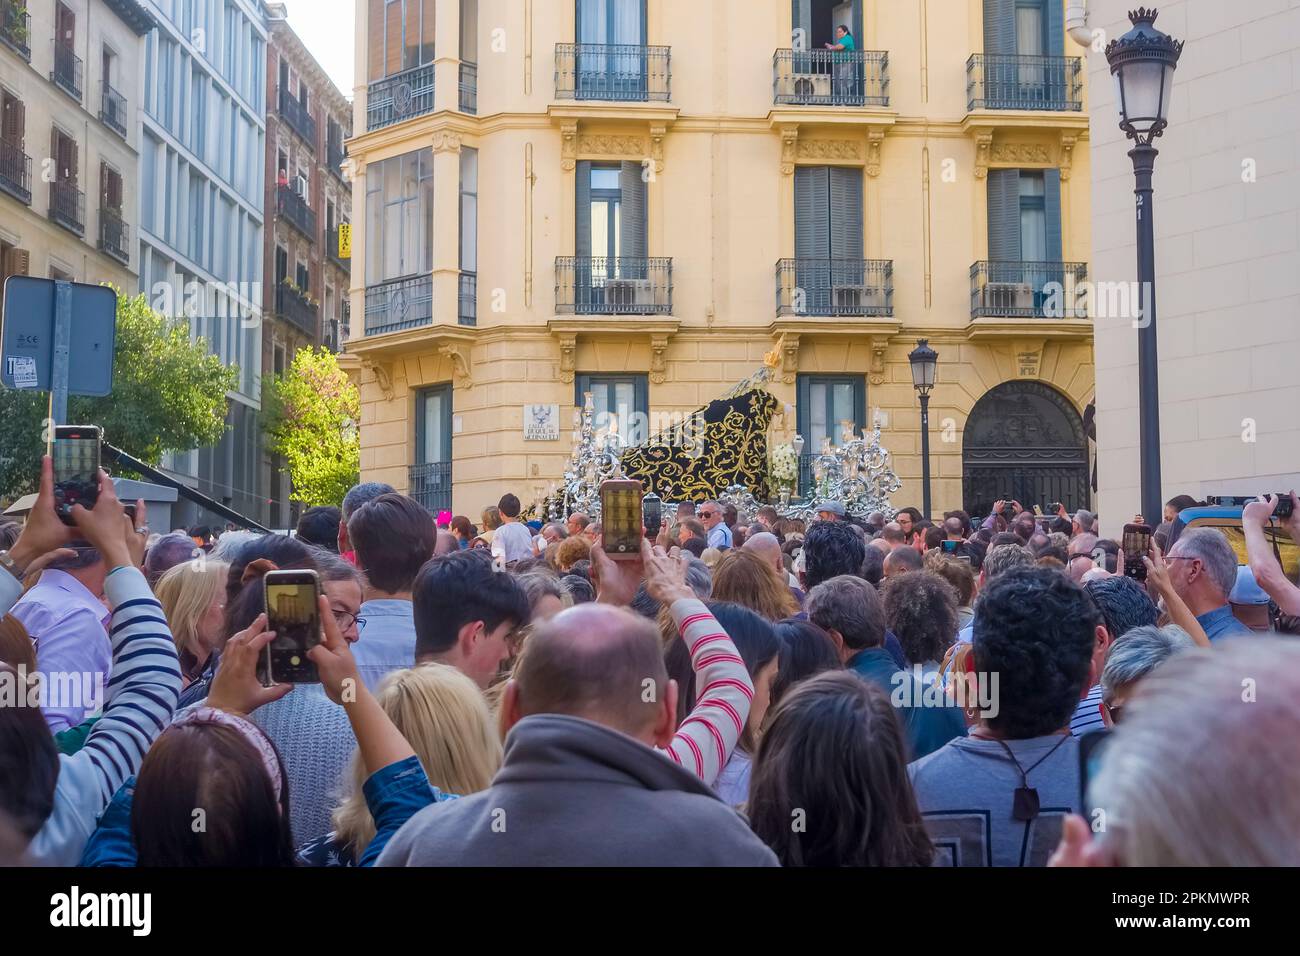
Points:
(632, 212)
(20, 122)
(582, 232)
(104, 188)
(812, 234)
(1055, 28)
(846, 213)
(801, 19)
(75, 164)
(1004, 215)
(1052, 206)
(1000, 26)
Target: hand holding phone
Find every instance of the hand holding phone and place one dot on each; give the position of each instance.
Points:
(75, 451)
(620, 519)
(1136, 544)
(293, 613)
(237, 687)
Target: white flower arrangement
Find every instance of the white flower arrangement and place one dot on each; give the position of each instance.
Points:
(785, 465)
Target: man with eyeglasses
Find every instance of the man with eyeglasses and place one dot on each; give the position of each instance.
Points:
(1203, 571)
(710, 514)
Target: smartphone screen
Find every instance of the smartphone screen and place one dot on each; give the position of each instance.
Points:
(949, 547)
(75, 451)
(620, 518)
(292, 612)
(1092, 746)
(1136, 544)
(652, 512)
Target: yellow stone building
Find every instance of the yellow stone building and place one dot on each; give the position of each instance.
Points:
(640, 198)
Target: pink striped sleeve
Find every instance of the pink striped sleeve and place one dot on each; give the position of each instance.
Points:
(710, 732)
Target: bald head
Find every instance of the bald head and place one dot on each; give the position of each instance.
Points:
(598, 662)
(767, 547)
(893, 533)
(447, 544)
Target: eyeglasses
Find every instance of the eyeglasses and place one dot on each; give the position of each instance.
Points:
(345, 619)
(706, 514)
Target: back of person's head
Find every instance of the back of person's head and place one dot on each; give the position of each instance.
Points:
(834, 750)
(1180, 502)
(228, 544)
(806, 650)
(167, 552)
(831, 549)
(850, 607)
(873, 566)
(572, 550)
(16, 647)
(933, 536)
(579, 588)
(902, 560)
(746, 578)
(1211, 548)
(491, 518)
(509, 506)
(445, 718)
(1036, 630)
(458, 589)
(921, 610)
(1003, 558)
(892, 533)
(593, 662)
(1205, 769)
(463, 527)
(29, 760)
(953, 527)
(319, 526)
(245, 596)
(393, 536)
(1138, 652)
(1003, 539)
(1086, 520)
(201, 533)
(957, 573)
(1024, 526)
(696, 546)
(1124, 605)
(218, 766)
(363, 494)
(187, 594)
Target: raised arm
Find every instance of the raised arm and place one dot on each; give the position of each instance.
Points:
(1179, 612)
(1263, 564)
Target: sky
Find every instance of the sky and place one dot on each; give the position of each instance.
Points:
(326, 29)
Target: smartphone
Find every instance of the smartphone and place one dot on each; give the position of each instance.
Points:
(949, 547)
(1092, 746)
(1038, 512)
(293, 613)
(652, 510)
(1055, 508)
(620, 518)
(75, 451)
(1136, 544)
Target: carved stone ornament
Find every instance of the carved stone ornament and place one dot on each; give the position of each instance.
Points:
(597, 145)
(1022, 153)
(878, 348)
(790, 359)
(568, 358)
(658, 358)
(569, 146)
(789, 150)
(445, 141)
(841, 149)
(982, 144)
(459, 363)
(875, 139)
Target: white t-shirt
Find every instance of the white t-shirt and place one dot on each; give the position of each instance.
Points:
(513, 541)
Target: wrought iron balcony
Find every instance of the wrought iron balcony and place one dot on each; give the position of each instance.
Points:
(835, 287)
(15, 171)
(16, 30)
(617, 72)
(398, 304)
(113, 110)
(399, 97)
(294, 210)
(332, 251)
(1002, 82)
(114, 235)
(68, 207)
(293, 305)
(467, 304)
(1029, 290)
(431, 486)
(469, 88)
(830, 78)
(67, 71)
(602, 285)
(298, 117)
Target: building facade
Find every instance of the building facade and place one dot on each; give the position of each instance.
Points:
(304, 300)
(640, 200)
(201, 247)
(1226, 210)
(69, 146)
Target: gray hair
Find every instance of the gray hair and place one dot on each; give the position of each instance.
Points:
(1004, 558)
(1233, 709)
(363, 494)
(1085, 518)
(542, 583)
(850, 606)
(1213, 550)
(558, 528)
(1138, 652)
(331, 567)
(230, 543)
(699, 579)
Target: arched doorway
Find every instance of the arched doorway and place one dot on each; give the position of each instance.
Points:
(1024, 441)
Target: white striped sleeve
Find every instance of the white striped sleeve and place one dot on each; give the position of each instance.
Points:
(143, 686)
(723, 691)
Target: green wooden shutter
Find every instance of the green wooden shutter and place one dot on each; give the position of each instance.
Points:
(1055, 29)
(1052, 206)
(846, 213)
(632, 211)
(812, 230)
(1004, 215)
(1000, 26)
(582, 243)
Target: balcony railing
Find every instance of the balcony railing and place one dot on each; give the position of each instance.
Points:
(830, 287)
(1002, 82)
(399, 97)
(467, 299)
(15, 171)
(332, 251)
(399, 304)
(113, 110)
(294, 306)
(16, 30)
(294, 209)
(298, 117)
(335, 154)
(68, 207)
(603, 71)
(114, 235)
(1028, 290)
(67, 70)
(830, 78)
(469, 88)
(431, 486)
(603, 285)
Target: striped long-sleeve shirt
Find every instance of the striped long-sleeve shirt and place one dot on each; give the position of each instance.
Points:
(707, 736)
(140, 696)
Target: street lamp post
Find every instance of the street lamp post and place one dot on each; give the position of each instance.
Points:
(1142, 62)
(923, 360)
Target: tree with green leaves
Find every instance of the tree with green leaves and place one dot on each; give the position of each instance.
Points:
(311, 415)
(169, 395)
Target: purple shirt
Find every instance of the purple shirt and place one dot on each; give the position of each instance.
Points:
(69, 627)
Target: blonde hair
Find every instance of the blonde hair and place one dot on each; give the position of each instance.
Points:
(443, 715)
(185, 592)
(743, 578)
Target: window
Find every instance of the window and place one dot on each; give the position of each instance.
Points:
(620, 22)
(65, 152)
(399, 217)
(620, 405)
(433, 425)
(1033, 218)
(1024, 213)
(611, 214)
(469, 210)
(825, 403)
(111, 188)
(401, 36)
(303, 278)
(1031, 28)
(281, 265)
(828, 212)
(13, 131)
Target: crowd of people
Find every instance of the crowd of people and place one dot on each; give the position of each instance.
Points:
(885, 690)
